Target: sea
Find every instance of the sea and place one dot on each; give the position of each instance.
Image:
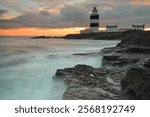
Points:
(27, 66)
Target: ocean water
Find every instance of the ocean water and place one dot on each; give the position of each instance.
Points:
(28, 65)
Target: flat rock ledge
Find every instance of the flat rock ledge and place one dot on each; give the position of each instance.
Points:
(88, 83)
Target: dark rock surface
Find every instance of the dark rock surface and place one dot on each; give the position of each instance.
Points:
(136, 83)
(86, 82)
(135, 45)
(132, 55)
(98, 36)
(125, 72)
(46, 37)
(135, 39)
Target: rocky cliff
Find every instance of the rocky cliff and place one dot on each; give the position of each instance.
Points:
(132, 54)
(125, 73)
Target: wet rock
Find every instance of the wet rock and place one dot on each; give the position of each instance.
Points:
(86, 54)
(111, 56)
(143, 50)
(147, 63)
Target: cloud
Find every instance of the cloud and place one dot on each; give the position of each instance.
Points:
(63, 13)
(9, 1)
(70, 16)
(44, 12)
(140, 3)
(2, 11)
(127, 15)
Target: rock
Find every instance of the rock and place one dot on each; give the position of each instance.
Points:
(98, 36)
(86, 54)
(109, 50)
(144, 50)
(60, 73)
(135, 45)
(111, 56)
(124, 74)
(136, 83)
(135, 38)
(80, 93)
(86, 82)
(147, 63)
(130, 55)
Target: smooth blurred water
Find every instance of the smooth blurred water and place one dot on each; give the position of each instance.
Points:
(28, 65)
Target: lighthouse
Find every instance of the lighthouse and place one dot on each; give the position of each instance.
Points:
(94, 20)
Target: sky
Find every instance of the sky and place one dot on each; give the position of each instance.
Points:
(61, 17)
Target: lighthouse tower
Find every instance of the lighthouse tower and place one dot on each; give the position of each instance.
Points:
(94, 20)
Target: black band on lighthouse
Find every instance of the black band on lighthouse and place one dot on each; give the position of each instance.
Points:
(94, 24)
(94, 17)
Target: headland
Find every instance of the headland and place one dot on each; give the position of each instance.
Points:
(98, 36)
(124, 73)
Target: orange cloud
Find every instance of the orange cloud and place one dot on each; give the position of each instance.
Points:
(38, 31)
(7, 17)
(139, 2)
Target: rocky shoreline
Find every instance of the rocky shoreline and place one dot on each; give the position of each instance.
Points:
(125, 72)
(96, 36)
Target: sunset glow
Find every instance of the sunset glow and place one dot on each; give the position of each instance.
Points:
(147, 29)
(38, 32)
(61, 17)
(44, 32)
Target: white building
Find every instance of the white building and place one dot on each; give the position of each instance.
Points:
(138, 27)
(111, 28)
(94, 22)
